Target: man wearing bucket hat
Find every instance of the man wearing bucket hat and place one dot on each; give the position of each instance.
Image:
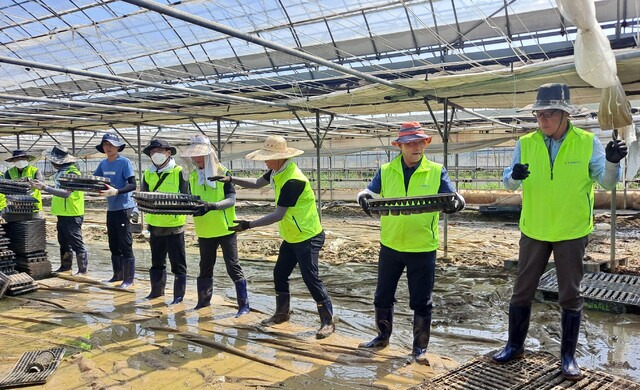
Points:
(212, 222)
(167, 231)
(119, 207)
(22, 170)
(68, 206)
(558, 158)
(299, 227)
(407, 241)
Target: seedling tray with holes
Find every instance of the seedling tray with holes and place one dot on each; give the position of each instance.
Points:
(12, 187)
(83, 183)
(412, 204)
(601, 291)
(162, 203)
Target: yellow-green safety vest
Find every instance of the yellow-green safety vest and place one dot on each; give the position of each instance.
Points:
(73, 206)
(215, 223)
(29, 172)
(557, 203)
(415, 232)
(170, 185)
(301, 221)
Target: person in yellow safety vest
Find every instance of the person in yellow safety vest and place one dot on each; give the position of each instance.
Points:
(167, 231)
(212, 223)
(407, 241)
(556, 166)
(22, 170)
(68, 206)
(298, 224)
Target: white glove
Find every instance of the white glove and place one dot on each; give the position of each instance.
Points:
(110, 191)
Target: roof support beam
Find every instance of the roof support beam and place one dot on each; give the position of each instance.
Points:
(202, 22)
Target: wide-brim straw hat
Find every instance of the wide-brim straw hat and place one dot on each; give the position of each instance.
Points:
(200, 146)
(274, 148)
(60, 155)
(16, 154)
(554, 96)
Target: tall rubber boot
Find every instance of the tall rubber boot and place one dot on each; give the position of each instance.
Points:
(421, 336)
(82, 258)
(205, 291)
(128, 272)
(242, 297)
(570, 334)
(116, 264)
(327, 326)
(158, 278)
(179, 288)
(384, 323)
(283, 306)
(66, 260)
(518, 327)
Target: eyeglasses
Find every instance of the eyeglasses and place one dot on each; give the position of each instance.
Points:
(544, 114)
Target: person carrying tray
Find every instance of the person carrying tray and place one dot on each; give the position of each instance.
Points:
(167, 231)
(408, 241)
(212, 223)
(556, 165)
(119, 171)
(68, 206)
(299, 226)
(22, 170)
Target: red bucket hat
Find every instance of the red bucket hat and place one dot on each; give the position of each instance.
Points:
(411, 131)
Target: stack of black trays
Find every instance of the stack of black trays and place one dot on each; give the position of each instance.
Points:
(12, 187)
(161, 203)
(83, 183)
(28, 241)
(17, 284)
(7, 256)
(21, 204)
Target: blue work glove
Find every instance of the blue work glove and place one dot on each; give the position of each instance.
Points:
(520, 171)
(615, 151)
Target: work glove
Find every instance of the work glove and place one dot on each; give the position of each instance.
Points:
(363, 196)
(241, 226)
(458, 205)
(205, 208)
(520, 171)
(37, 184)
(222, 179)
(615, 151)
(108, 191)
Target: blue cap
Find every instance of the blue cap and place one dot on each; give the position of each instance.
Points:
(113, 139)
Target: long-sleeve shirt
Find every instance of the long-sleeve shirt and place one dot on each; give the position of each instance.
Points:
(605, 173)
(445, 182)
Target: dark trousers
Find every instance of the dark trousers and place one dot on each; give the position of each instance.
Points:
(208, 251)
(173, 245)
(420, 275)
(305, 254)
(119, 233)
(70, 234)
(532, 261)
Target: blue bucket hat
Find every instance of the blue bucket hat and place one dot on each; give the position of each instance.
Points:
(113, 140)
(554, 96)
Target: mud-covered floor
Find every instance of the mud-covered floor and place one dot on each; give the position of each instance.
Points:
(117, 339)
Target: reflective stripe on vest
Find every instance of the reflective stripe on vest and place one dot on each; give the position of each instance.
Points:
(170, 185)
(29, 172)
(415, 232)
(215, 223)
(300, 222)
(73, 206)
(557, 204)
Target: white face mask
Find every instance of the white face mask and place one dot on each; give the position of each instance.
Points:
(159, 158)
(21, 164)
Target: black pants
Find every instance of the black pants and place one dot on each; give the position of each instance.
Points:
(532, 261)
(208, 249)
(305, 254)
(70, 234)
(173, 245)
(420, 275)
(119, 233)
